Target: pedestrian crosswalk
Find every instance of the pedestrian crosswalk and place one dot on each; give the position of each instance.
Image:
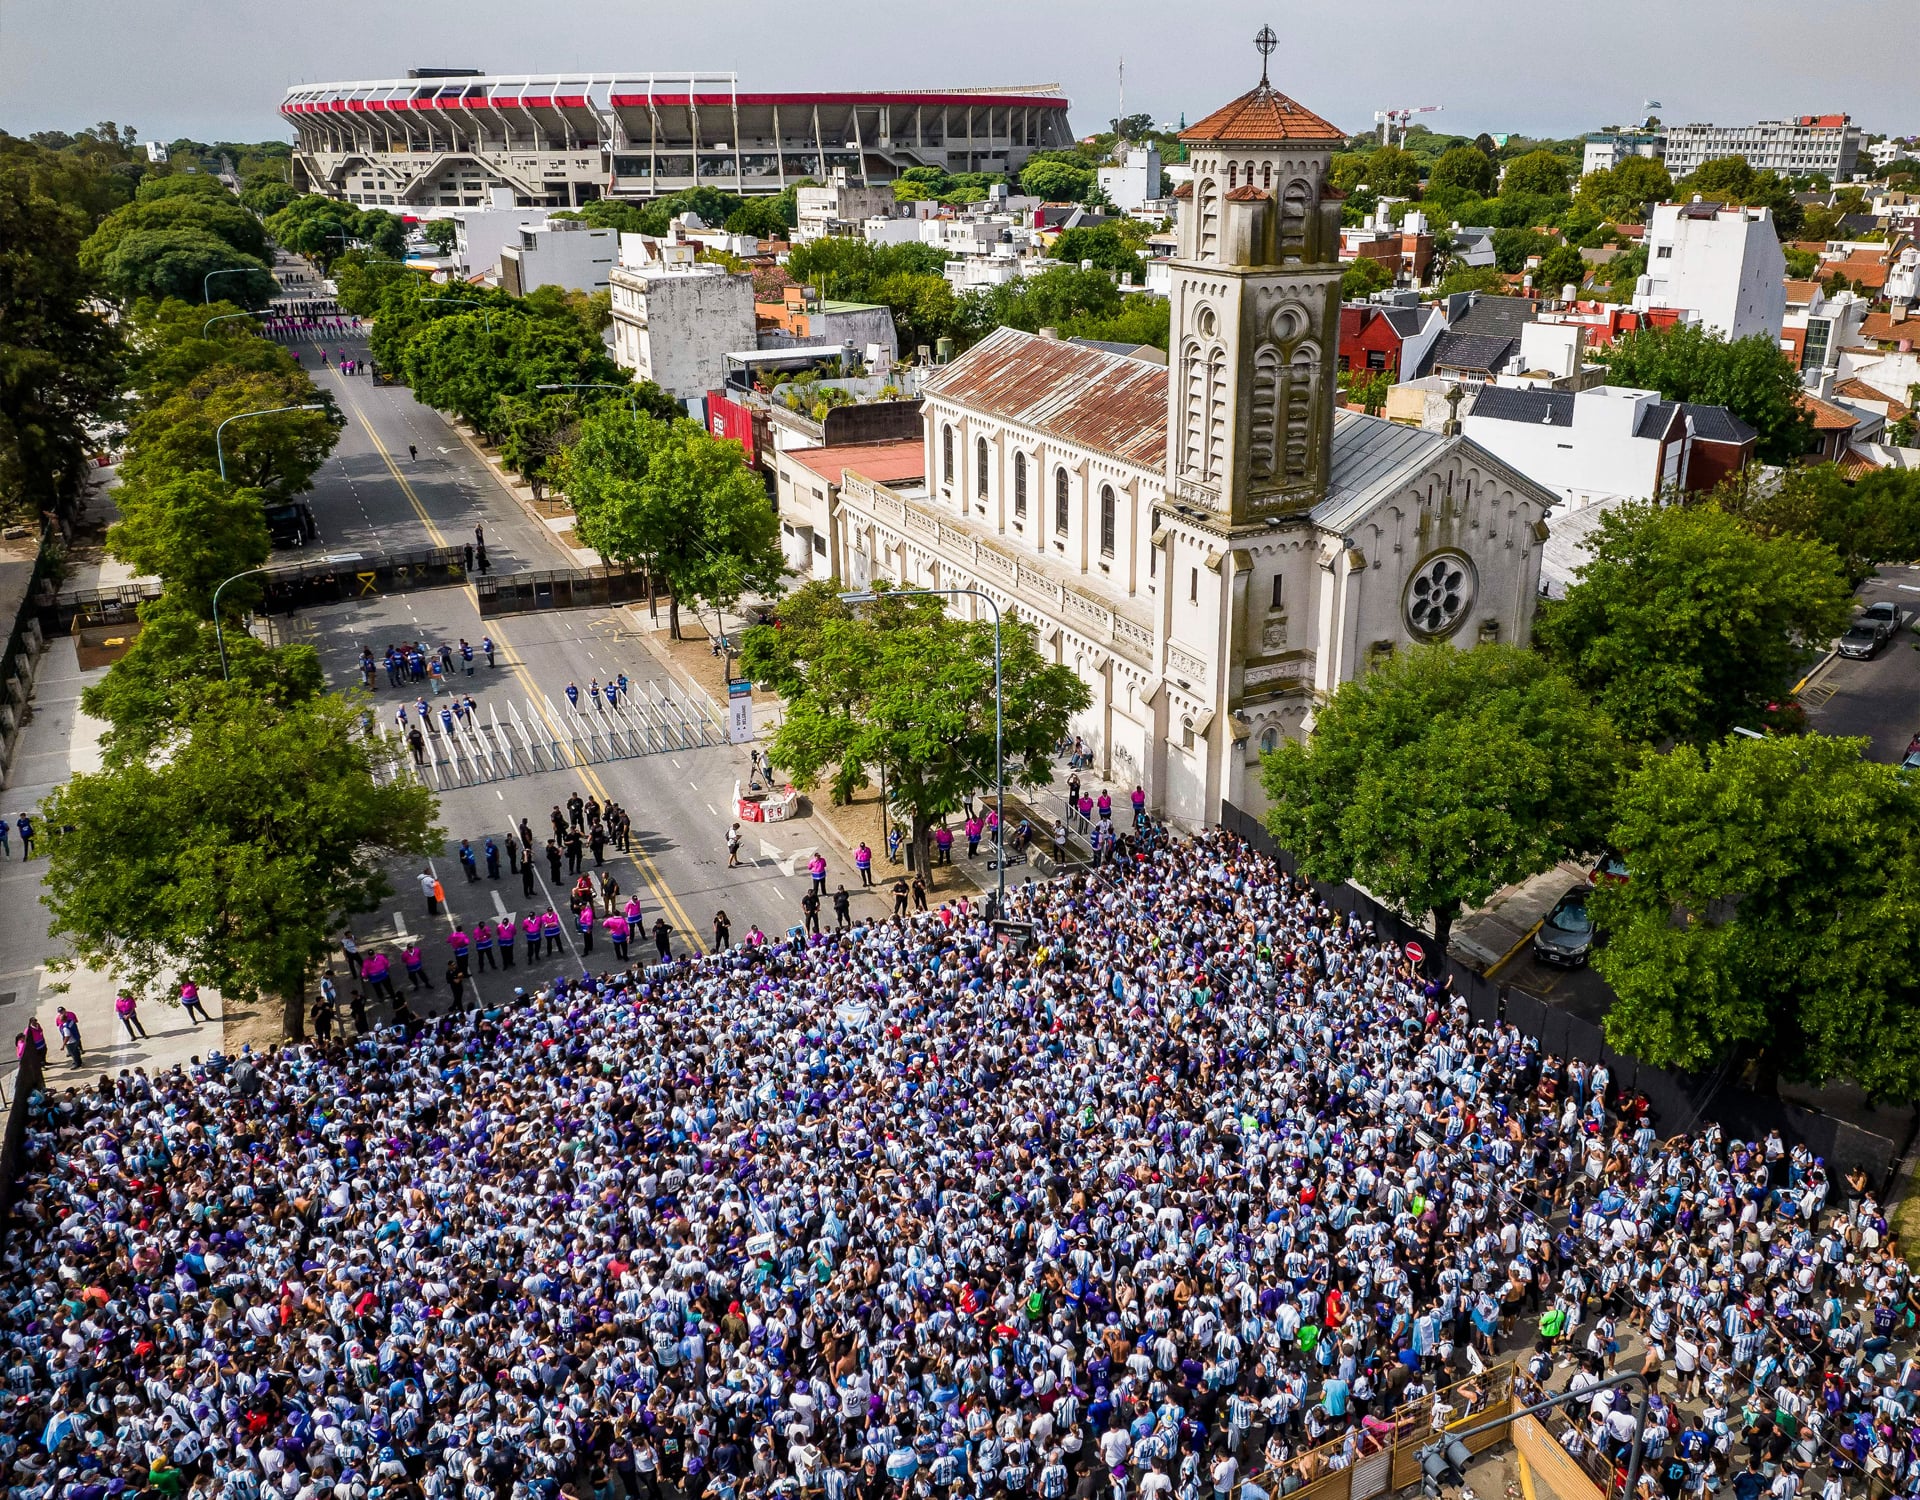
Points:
(648, 720)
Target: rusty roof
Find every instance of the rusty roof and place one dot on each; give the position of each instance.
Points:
(883, 463)
(1263, 113)
(1111, 403)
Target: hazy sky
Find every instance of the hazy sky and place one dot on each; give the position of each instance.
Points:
(216, 69)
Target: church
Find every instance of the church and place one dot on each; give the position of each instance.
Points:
(1215, 545)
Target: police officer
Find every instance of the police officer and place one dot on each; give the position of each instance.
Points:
(493, 859)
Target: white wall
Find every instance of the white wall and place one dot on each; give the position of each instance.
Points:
(676, 328)
(481, 234)
(1598, 456)
(1728, 270)
(564, 254)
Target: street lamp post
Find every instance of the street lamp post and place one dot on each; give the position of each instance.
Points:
(221, 318)
(999, 709)
(219, 636)
(220, 453)
(207, 280)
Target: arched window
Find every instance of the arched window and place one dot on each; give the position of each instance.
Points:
(1266, 175)
(1107, 517)
(1060, 501)
(1233, 175)
(980, 467)
(1269, 741)
(1019, 486)
(946, 453)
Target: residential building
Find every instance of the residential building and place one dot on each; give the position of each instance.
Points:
(1601, 323)
(809, 481)
(1608, 443)
(1839, 427)
(1828, 144)
(1405, 249)
(480, 234)
(676, 319)
(1134, 183)
(1882, 153)
(799, 319)
(1897, 330)
(1210, 544)
(841, 207)
(1719, 263)
(561, 140)
(1606, 149)
(562, 252)
(1389, 338)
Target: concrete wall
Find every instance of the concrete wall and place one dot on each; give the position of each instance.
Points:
(1597, 456)
(676, 328)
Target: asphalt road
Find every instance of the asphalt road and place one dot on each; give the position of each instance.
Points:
(372, 496)
(1877, 699)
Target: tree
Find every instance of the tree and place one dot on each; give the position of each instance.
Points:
(1443, 775)
(925, 308)
(464, 363)
(1107, 246)
(1871, 520)
(1769, 913)
(1473, 279)
(1056, 181)
(1751, 377)
(267, 196)
(170, 346)
(1560, 266)
(1684, 623)
(322, 227)
(669, 497)
(1392, 173)
(1054, 298)
(1732, 179)
(176, 262)
(1140, 320)
(192, 532)
(1512, 247)
(59, 369)
(904, 689)
(441, 234)
(279, 454)
(218, 215)
(236, 857)
(1538, 172)
(1622, 193)
(1367, 388)
(1362, 278)
(1462, 169)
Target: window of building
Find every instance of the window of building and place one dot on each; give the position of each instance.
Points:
(1108, 508)
(1193, 586)
(1278, 597)
(1376, 359)
(1269, 741)
(980, 467)
(1663, 252)
(1060, 501)
(1019, 486)
(946, 454)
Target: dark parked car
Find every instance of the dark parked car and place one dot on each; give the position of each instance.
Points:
(1566, 936)
(291, 524)
(1862, 640)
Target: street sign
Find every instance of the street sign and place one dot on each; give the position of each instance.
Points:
(1416, 953)
(739, 712)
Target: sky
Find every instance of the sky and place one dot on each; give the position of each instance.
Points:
(217, 69)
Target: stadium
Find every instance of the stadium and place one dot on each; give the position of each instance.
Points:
(446, 139)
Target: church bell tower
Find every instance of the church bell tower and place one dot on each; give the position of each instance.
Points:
(1255, 309)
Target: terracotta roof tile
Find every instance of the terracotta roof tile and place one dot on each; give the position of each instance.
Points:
(1881, 326)
(1247, 193)
(1853, 463)
(1185, 190)
(1263, 113)
(1856, 389)
(1826, 416)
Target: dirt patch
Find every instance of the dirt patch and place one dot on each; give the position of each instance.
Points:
(256, 1025)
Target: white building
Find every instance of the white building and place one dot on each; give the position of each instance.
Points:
(562, 252)
(1210, 544)
(1829, 144)
(480, 234)
(676, 319)
(838, 208)
(1721, 263)
(1135, 183)
(1890, 150)
(1608, 443)
(1605, 150)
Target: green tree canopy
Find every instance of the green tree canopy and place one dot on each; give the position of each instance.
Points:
(1751, 377)
(840, 267)
(171, 346)
(218, 215)
(1392, 173)
(903, 689)
(1109, 247)
(1732, 179)
(279, 454)
(1541, 173)
(1443, 775)
(176, 262)
(1622, 193)
(1770, 912)
(1056, 181)
(267, 196)
(322, 227)
(672, 498)
(1462, 169)
(1560, 266)
(1362, 278)
(191, 532)
(236, 858)
(460, 364)
(59, 365)
(1873, 519)
(1684, 623)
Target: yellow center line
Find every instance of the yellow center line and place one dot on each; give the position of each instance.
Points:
(644, 862)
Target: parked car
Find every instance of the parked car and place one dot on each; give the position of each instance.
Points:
(1566, 936)
(290, 524)
(1884, 613)
(1611, 869)
(1862, 641)
(1911, 760)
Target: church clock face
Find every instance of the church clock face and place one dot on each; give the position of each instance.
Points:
(1439, 595)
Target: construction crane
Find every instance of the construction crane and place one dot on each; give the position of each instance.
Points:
(1387, 119)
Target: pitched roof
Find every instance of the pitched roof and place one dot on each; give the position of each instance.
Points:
(1827, 417)
(1856, 389)
(1469, 351)
(1112, 403)
(1881, 326)
(1502, 315)
(1854, 464)
(1801, 291)
(1515, 404)
(1263, 113)
(1715, 424)
(1373, 457)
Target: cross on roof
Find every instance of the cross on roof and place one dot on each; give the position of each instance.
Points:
(1264, 42)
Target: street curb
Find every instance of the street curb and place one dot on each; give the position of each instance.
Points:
(1507, 957)
(1818, 667)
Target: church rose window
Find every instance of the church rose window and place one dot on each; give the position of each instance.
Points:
(1439, 595)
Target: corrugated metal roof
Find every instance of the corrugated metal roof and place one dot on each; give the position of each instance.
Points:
(1371, 458)
(1111, 403)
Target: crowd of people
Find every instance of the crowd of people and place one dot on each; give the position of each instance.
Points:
(1169, 1182)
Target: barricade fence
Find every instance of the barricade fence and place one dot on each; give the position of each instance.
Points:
(26, 1083)
(1680, 1102)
